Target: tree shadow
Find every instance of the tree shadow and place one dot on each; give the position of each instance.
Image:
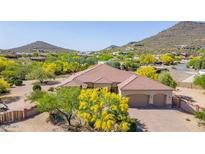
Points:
(47, 83)
(9, 99)
(140, 127)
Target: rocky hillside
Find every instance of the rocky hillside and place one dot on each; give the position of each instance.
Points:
(39, 46)
(186, 33)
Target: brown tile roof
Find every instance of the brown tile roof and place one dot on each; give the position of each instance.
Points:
(142, 83)
(72, 83)
(101, 73)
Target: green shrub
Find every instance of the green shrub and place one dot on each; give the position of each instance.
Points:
(18, 82)
(11, 80)
(201, 115)
(36, 87)
(165, 78)
(200, 81)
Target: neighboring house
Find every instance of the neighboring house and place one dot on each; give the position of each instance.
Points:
(141, 91)
(41, 59)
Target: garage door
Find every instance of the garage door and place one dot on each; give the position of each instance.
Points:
(159, 100)
(138, 100)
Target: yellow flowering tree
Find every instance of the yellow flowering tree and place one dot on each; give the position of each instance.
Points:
(50, 67)
(166, 59)
(4, 86)
(147, 59)
(5, 63)
(104, 111)
(147, 71)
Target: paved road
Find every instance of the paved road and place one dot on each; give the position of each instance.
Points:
(165, 120)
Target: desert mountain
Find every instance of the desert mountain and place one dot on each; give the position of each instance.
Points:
(39, 46)
(184, 33)
(111, 47)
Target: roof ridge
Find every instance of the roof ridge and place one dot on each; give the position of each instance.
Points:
(130, 79)
(75, 75)
(86, 71)
(102, 77)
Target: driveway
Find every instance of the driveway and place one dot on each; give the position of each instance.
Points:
(165, 120)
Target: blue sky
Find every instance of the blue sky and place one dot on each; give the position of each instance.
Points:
(84, 36)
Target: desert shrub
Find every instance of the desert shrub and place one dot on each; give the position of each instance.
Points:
(130, 65)
(36, 87)
(4, 86)
(115, 64)
(197, 63)
(165, 78)
(201, 116)
(11, 80)
(200, 81)
(51, 89)
(18, 82)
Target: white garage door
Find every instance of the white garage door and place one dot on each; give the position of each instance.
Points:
(138, 100)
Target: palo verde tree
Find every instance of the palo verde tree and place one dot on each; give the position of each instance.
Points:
(64, 100)
(104, 111)
(147, 59)
(4, 86)
(167, 59)
(147, 71)
(40, 74)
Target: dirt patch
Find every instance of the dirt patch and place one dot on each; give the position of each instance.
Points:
(38, 123)
(197, 96)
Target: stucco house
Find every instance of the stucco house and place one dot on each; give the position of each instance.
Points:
(141, 91)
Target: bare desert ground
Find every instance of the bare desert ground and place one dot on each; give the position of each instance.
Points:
(197, 95)
(38, 123)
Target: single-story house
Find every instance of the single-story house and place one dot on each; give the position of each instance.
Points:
(141, 91)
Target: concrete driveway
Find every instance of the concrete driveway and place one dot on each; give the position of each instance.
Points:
(165, 120)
